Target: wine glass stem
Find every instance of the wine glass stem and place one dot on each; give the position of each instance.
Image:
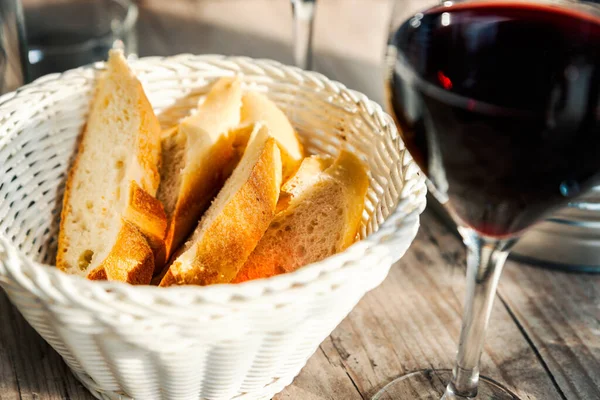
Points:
(303, 12)
(485, 259)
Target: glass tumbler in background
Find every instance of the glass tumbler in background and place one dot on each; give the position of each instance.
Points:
(498, 102)
(68, 34)
(303, 13)
(12, 46)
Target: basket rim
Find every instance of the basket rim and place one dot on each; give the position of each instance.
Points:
(400, 223)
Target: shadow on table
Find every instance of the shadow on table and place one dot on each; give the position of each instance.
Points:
(164, 34)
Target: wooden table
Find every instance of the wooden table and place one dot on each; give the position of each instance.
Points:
(544, 336)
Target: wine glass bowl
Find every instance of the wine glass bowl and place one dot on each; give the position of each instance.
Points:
(499, 104)
(512, 107)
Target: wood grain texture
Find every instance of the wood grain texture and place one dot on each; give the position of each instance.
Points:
(412, 321)
(560, 314)
(29, 367)
(544, 336)
(323, 378)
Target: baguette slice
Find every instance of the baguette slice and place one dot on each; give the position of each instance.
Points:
(196, 160)
(148, 215)
(321, 214)
(309, 173)
(257, 107)
(236, 220)
(120, 266)
(109, 210)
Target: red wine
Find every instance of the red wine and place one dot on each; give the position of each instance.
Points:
(499, 104)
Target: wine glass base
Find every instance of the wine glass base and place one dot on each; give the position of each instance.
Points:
(431, 384)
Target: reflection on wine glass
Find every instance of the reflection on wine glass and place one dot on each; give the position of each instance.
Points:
(499, 103)
(303, 12)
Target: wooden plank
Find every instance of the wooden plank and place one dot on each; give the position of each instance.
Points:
(560, 313)
(29, 367)
(323, 378)
(412, 322)
(9, 382)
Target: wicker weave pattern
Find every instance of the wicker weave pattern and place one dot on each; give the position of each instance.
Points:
(243, 341)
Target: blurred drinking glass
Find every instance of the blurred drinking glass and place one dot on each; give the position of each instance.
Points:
(69, 33)
(303, 12)
(12, 46)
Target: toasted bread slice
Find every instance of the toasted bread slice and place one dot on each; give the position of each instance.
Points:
(197, 158)
(307, 175)
(109, 210)
(236, 220)
(257, 107)
(120, 266)
(148, 215)
(321, 214)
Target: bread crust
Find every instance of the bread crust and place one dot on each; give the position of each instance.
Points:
(301, 232)
(257, 107)
(131, 260)
(63, 240)
(197, 192)
(148, 215)
(142, 214)
(209, 154)
(225, 244)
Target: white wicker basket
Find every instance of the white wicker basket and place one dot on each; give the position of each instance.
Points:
(244, 341)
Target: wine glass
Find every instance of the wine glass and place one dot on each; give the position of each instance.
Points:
(499, 104)
(303, 13)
